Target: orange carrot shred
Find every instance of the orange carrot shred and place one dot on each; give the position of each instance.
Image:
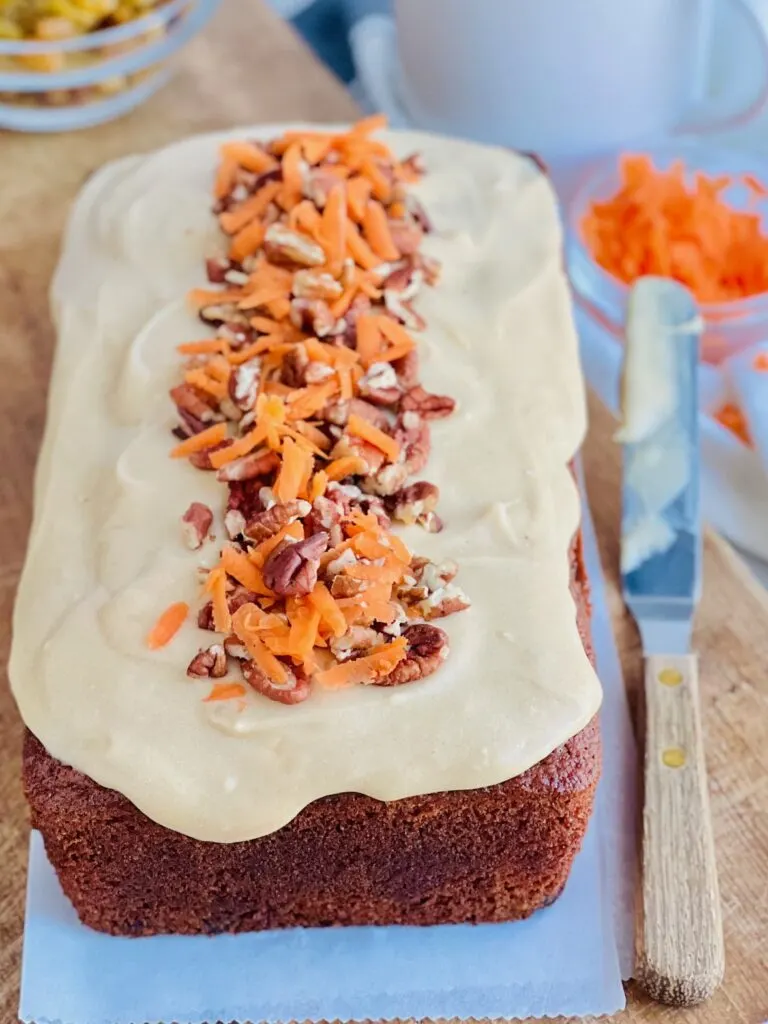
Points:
(334, 228)
(369, 669)
(760, 362)
(225, 177)
(240, 567)
(225, 691)
(377, 233)
(359, 427)
(347, 465)
(265, 660)
(216, 585)
(328, 608)
(293, 471)
(198, 442)
(247, 241)
(249, 157)
(167, 626)
(233, 220)
(318, 485)
(358, 194)
(733, 419)
(368, 339)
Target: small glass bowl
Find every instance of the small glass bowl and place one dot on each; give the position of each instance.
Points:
(60, 85)
(730, 327)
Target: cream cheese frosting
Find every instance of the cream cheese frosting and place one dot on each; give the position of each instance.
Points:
(105, 556)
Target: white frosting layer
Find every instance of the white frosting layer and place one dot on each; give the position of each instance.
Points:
(105, 554)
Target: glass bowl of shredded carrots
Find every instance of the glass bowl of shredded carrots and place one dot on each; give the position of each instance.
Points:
(690, 212)
(58, 73)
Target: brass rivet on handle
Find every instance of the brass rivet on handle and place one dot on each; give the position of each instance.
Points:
(670, 677)
(673, 757)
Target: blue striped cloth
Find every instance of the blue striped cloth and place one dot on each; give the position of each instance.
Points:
(325, 26)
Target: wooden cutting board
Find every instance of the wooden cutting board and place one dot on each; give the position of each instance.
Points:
(249, 67)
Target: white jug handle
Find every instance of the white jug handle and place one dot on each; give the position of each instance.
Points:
(705, 119)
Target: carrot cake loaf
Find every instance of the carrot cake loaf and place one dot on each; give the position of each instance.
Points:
(303, 632)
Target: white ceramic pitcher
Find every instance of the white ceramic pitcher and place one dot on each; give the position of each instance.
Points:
(569, 78)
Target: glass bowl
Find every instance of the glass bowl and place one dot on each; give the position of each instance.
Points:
(82, 80)
(731, 326)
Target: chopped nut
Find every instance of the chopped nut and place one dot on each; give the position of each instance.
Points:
(444, 601)
(202, 459)
(235, 648)
(415, 503)
(403, 311)
(272, 520)
(374, 415)
(293, 370)
(187, 400)
(293, 691)
(311, 284)
(317, 372)
(196, 524)
(248, 467)
(216, 268)
(291, 569)
(355, 641)
(243, 384)
(234, 523)
(407, 235)
(345, 586)
(407, 369)
(283, 245)
(339, 564)
(379, 385)
(209, 663)
(313, 315)
(429, 407)
(428, 647)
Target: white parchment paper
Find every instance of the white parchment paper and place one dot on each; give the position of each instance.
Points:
(568, 959)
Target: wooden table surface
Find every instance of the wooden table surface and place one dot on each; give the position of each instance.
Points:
(249, 67)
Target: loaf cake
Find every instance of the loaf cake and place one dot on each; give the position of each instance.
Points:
(302, 637)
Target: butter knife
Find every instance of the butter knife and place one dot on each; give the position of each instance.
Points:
(682, 959)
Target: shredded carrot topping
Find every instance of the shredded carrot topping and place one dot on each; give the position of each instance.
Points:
(167, 626)
(681, 226)
(310, 441)
(733, 419)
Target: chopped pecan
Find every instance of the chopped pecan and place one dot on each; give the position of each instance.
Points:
(335, 412)
(416, 164)
(324, 514)
(294, 367)
(315, 284)
(415, 503)
(272, 520)
(345, 586)
(444, 601)
(415, 445)
(216, 267)
(356, 640)
(379, 385)
(428, 406)
(313, 315)
(282, 245)
(418, 213)
(245, 497)
(234, 523)
(374, 415)
(406, 234)
(202, 459)
(210, 662)
(388, 480)
(404, 312)
(317, 184)
(248, 467)
(235, 599)
(407, 369)
(243, 385)
(317, 372)
(220, 313)
(187, 400)
(356, 447)
(196, 524)
(235, 648)
(429, 266)
(428, 648)
(291, 569)
(293, 691)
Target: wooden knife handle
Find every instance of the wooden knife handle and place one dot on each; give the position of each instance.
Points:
(683, 959)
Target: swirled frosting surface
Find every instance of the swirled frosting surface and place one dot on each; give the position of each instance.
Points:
(105, 555)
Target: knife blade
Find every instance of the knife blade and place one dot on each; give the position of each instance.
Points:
(682, 958)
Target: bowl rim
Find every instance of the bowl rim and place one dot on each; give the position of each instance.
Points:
(598, 172)
(136, 59)
(156, 18)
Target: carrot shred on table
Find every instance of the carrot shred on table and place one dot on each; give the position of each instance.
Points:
(167, 626)
(660, 222)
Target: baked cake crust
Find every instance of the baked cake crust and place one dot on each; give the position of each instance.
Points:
(493, 854)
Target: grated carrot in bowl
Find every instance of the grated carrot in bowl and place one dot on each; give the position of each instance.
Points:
(678, 224)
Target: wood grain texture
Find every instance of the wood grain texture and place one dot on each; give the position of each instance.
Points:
(249, 67)
(682, 959)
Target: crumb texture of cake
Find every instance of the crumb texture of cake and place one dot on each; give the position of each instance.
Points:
(145, 769)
